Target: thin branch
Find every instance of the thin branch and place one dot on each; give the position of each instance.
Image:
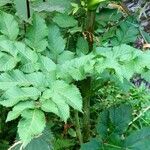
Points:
(21, 147)
(143, 35)
(14, 145)
(142, 12)
(113, 146)
(125, 8)
(141, 113)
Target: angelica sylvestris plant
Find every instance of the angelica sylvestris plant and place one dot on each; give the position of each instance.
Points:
(39, 75)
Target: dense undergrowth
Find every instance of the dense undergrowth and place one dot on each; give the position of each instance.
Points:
(74, 75)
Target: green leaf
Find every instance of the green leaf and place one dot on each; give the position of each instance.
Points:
(3, 38)
(63, 94)
(110, 63)
(93, 144)
(103, 124)
(70, 93)
(4, 2)
(123, 59)
(53, 5)
(65, 56)
(8, 47)
(146, 36)
(12, 115)
(15, 94)
(132, 67)
(65, 21)
(144, 59)
(74, 30)
(49, 106)
(21, 9)
(49, 7)
(120, 117)
(32, 124)
(17, 109)
(146, 75)
(36, 34)
(7, 62)
(108, 15)
(30, 67)
(77, 68)
(56, 42)
(125, 53)
(63, 144)
(37, 79)
(138, 140)
(43, 142)
(122, 53)
(63, 108)
(13, 78)
(47, 64)
(26, 54)
(127, 33)
(10, 31)
(82, 46)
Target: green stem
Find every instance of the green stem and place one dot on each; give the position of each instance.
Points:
(78, 128)
(86, 90)
(86, 84)
(113, 146)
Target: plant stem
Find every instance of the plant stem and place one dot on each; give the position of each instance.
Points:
(86, 89)
(125, 8)
(78, 128)
(14, 145)
(141, 113)
(86, 84)
(113, 146)
(90, 20)
(28, 8)
(90, 27)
